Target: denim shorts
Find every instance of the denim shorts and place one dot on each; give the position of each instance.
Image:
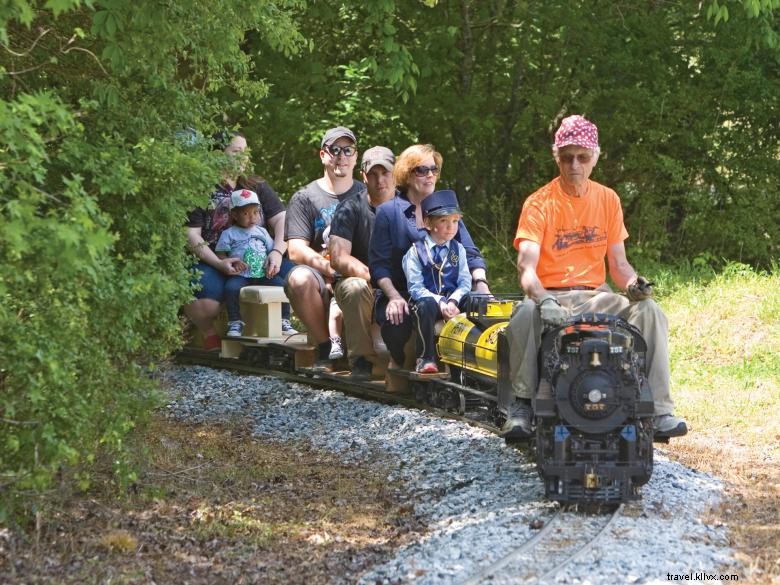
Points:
(212, 281)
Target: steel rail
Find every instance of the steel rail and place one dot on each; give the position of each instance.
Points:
(537, 540)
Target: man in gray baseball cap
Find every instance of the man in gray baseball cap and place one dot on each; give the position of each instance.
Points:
(334, 134)
(350, 234)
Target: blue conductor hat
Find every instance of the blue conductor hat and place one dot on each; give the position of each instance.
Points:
(440, 203)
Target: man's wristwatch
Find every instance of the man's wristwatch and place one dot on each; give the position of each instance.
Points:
(478, 280)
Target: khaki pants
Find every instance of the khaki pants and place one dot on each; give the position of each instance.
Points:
(525, 330)
(356, 299)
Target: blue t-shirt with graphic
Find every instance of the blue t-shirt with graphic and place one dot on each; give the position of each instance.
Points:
(250, 245)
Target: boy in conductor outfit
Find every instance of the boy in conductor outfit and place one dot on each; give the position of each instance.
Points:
(437, 272)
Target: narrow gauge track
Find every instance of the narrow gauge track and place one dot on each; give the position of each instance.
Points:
(567, 534)
(545, 554)
(332, 381)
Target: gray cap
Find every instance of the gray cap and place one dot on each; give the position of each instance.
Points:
(377, 155)
(334, 134)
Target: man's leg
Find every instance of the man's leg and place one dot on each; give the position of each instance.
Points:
(651, 321)
(356, 298)
(524, 336)
(205, 308)
(648, 317)
(305, 288)
(523, 333)
(394, 336)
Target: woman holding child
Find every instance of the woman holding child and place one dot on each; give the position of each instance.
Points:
(206, 225)
(398, 225)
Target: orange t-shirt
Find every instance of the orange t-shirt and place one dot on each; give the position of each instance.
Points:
(572, 232)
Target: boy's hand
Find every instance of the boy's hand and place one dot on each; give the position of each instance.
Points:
(449, 309)
(232, 266)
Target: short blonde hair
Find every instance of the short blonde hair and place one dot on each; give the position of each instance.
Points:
(411, 158)
(430, 220)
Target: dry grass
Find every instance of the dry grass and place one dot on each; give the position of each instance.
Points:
(725, 340)
(213, 505)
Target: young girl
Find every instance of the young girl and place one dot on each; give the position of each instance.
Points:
(437, 273)
(251, 244)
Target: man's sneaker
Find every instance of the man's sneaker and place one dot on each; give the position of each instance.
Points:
(668, 425)
(362, 369)
(426, 367)
(336, 350)
(287, 328)
(518, 421)
(235, 328)
(323, 363)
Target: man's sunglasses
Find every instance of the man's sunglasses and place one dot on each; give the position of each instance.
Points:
(583, 158)
(422, 171)
(345, 150)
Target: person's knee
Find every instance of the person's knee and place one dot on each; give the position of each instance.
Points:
(352, 289)
(301, 281)
(202, 309)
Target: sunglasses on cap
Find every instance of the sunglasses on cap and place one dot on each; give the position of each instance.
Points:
(345, 150)
(583, 158)
(422, 171)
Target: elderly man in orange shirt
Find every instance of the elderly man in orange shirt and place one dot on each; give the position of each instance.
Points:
(565, 231)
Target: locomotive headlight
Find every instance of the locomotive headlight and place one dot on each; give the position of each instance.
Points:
(595, 395)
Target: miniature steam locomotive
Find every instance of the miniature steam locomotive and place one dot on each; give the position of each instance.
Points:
(593, 407)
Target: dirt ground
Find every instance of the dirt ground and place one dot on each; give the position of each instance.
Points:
(212, 505)
(752, 508)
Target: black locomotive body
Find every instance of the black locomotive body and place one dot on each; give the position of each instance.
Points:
(593, 409)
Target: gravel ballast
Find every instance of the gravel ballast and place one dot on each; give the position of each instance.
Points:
(477, 495)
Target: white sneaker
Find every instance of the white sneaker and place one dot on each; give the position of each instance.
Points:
(287, 328)
(336, 350)
(235, 328)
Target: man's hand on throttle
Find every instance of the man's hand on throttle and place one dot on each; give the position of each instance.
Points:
(640, 289)
(551, 311)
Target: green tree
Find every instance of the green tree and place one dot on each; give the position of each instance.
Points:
(684, 107)
(95, 191)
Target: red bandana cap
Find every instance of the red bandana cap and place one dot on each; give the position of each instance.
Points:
(578, 131)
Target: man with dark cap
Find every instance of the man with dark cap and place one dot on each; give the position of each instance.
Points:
(350, 234)
(309, 214)
(565, 231)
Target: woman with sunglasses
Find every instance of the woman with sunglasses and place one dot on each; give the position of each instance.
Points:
(398, 224)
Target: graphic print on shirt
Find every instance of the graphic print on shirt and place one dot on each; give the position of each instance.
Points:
(322, 223)
(580, 236)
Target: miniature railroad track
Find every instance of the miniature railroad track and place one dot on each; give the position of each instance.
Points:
(340, 381)
(566, 537)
